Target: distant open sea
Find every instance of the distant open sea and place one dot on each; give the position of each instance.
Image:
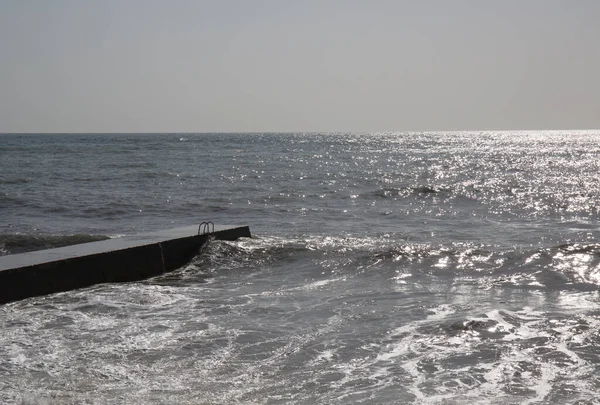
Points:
(385, 268)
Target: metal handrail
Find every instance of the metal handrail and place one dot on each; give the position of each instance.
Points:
(206, 228)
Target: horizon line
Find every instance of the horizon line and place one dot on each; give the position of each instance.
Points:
(293, 132)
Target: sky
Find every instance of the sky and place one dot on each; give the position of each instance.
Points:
(298, 65)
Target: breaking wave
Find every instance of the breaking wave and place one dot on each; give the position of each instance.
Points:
(573, 267)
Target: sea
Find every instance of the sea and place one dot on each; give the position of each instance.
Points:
(384, 268)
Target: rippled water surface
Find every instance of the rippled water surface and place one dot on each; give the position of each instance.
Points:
(385, 268)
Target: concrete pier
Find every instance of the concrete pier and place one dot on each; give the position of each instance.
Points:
(129, 258)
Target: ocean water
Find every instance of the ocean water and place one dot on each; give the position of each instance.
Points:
(392, 268)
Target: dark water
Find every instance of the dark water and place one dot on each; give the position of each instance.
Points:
(386, 268)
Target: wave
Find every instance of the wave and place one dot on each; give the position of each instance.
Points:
(16, 180)
(11, 200)
(561, 267)
(422, 190)
(506, 196)
(13, 244)
(224, 257)
(460, 192)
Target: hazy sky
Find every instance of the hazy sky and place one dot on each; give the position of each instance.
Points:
(301, 65)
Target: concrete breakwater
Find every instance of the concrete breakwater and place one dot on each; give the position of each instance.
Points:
(129, 258)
